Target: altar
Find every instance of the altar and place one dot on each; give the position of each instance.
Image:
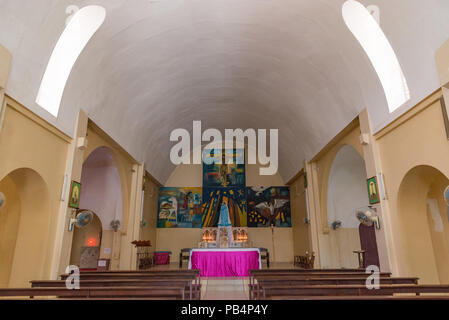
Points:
(225, 262)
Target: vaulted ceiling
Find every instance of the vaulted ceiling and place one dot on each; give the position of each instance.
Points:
(155, 66)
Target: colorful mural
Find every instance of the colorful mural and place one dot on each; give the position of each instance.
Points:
(233, 198)
(268, 206)
(224, 175)
(179, 208)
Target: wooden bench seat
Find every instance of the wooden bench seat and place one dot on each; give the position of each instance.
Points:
(349, 290)
(98, 292)
(193, 291)
(358, 298)
(293, 280)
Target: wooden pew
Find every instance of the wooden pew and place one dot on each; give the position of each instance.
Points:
(193, 291)
(355, 298)
(254, 290)
(350, 290)
(95, 292)
(140, 275)
(303, 273)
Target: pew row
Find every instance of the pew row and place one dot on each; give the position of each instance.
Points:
(158, 292)
(269, 291)
(193, 291)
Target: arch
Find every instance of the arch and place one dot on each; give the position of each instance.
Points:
(380, 52)
(346, 192)
(101, 189)
(424, 225)
(88, 236)
(71, 43)
(24, 227)
(325, 180)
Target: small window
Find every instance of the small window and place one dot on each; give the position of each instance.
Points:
(74, 38)
(382, 56)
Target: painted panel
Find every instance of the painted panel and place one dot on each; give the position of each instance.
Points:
(179, 207)
(268, 206)
(234, 198)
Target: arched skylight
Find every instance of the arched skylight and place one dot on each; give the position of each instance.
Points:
(376, 45)
(74, 38)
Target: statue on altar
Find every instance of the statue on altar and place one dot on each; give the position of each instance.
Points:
(225, 236)
(224, 227)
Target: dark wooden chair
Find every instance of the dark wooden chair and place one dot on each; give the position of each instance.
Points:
(305, 262)
(184, 255)
(265, 255)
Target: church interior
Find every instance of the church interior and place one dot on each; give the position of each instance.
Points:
(101, 197)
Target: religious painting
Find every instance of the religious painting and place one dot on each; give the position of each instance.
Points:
(75, 192)
(224, 175)
(373, 191)
(268, 206)
(224, 206)
(179, 207)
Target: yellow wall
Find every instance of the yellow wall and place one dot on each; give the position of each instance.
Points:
(9, 226)
(335, 246)
(418, 138)
(299, 214)
(150, 209)
(120, 242)
(29, 142)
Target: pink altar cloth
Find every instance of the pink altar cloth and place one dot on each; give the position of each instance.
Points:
(225, 263)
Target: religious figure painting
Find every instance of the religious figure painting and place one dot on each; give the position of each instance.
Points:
(179, 207)
(268, 206)
(373, 191)
(224, 174)
(75, 192)
(224, 206)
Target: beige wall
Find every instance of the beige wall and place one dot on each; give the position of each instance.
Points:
(300, 229)
(9, 226)
(417, 138)
(335, 246)
(150, 209)
(29, 142)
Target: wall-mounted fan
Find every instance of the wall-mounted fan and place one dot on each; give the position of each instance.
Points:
(2, 200)
(115, 224)
(336, 224)
(82, 218)
(446, 195)
(367, 216)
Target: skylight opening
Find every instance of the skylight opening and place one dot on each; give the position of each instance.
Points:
(71, 43)
(380, 52)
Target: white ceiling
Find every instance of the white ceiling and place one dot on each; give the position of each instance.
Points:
(158, 65)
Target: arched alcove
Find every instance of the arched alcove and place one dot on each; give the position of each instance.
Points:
(24, 224)
(101, 192)
(346, 192)
(424, 225)
(86, 237)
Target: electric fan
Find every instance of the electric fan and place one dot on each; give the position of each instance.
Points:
(2, 200)
(367, 217)
(83, 218)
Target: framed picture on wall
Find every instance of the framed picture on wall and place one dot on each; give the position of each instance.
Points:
(75, 193)
(373, 191)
